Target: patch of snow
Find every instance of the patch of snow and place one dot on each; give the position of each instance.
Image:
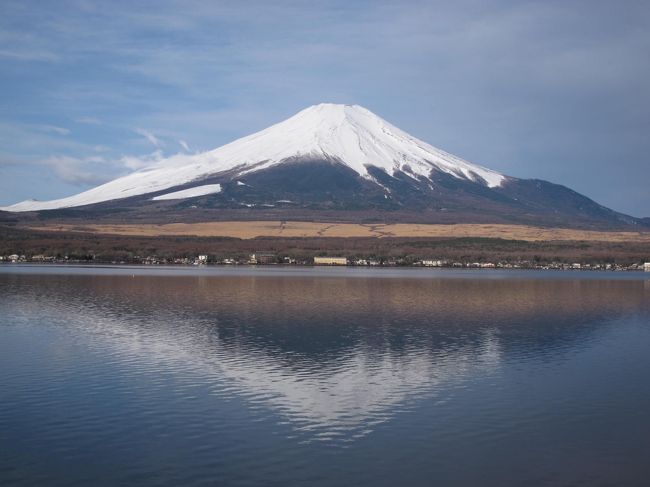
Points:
(190, 193)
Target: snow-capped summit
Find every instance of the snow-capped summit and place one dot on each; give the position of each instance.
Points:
(352, 135)
(349, 135)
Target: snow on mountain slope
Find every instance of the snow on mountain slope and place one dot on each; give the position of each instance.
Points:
(347, 134)
(190, 193)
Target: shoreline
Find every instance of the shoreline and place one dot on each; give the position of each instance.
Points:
(250, 269)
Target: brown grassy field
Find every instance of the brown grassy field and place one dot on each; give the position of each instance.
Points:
(255, 229)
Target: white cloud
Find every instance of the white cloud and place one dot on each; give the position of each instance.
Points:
(139, 162)
(184, 145)
(55, 129)
(78, 171)
(155, 141)
(90, 170)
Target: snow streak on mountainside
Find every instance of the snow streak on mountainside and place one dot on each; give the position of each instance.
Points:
(345, 134)
(189, 193)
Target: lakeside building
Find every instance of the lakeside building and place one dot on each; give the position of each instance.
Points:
(646, 267)
(330, 261)
(263, 258)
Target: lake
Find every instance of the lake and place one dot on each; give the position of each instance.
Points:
(328, 376)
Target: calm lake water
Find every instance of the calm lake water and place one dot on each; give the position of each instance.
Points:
(243, 376)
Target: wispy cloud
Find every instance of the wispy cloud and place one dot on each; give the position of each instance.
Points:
(134, 163)
(77, 171)
(89, 170)
(184, 145)
(54, 129)
(155, 141)
(27, 54)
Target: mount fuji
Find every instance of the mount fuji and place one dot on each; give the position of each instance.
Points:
(331, 161)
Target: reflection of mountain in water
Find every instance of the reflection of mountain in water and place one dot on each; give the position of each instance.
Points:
(333, 355)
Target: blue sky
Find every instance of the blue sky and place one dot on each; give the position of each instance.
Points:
(556, 90)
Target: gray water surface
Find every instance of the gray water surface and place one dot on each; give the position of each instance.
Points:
(298, 376)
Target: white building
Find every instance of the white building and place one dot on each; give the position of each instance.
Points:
(330, 261)
(646, 267)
